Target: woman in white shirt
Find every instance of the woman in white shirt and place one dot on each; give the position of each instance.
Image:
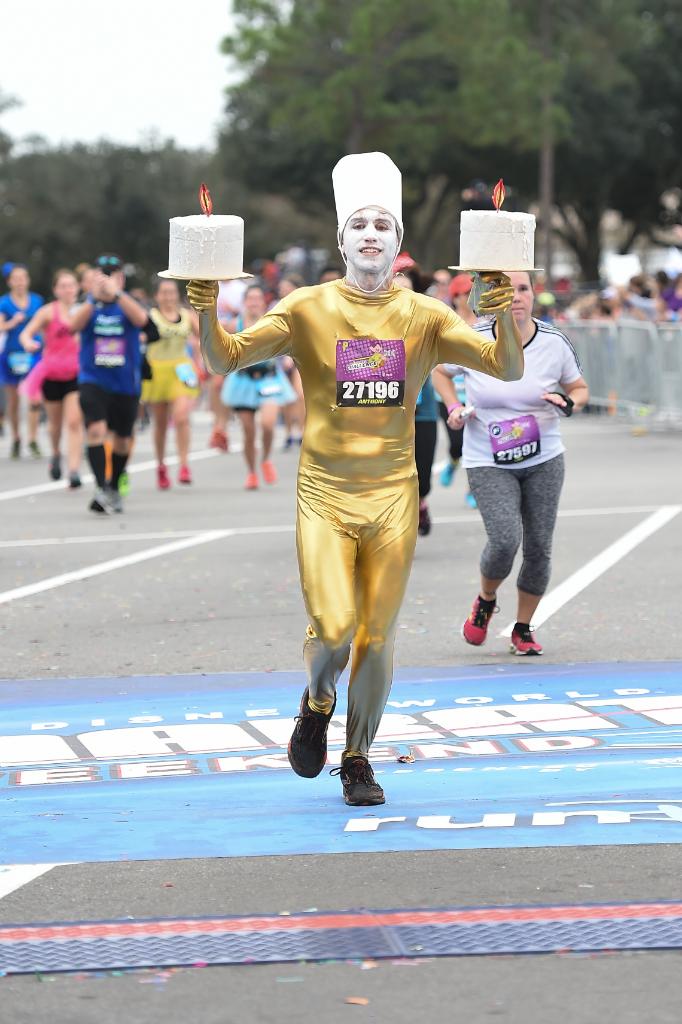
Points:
(513, 455)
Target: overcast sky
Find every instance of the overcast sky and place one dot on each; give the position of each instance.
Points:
(86, 70)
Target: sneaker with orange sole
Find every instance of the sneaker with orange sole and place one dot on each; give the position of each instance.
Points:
(523, 641)
(184, 475)
(218, 439)
(251, 482)
(162, 479)
(269, 472)
(475, 629)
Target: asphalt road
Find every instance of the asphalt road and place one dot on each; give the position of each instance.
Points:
(232, 602)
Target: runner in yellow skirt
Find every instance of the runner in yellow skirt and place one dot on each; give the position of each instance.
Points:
(175, 383)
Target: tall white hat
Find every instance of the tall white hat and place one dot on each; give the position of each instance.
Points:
(367, 179)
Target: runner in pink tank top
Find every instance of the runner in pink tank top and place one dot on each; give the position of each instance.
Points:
(60, 349)
(57, 373)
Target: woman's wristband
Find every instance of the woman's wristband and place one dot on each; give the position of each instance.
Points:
(567, 408)
(455, 405)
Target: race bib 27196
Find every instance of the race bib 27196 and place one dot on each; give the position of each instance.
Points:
(370, 372)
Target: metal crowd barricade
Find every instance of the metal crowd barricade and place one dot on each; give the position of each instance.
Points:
(595, 342)
(632, 367)
(670, 361)
(638, 376)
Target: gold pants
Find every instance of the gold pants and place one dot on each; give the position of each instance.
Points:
(355, 551)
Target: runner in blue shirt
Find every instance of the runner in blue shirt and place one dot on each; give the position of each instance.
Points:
(17, 307)
(110, 370)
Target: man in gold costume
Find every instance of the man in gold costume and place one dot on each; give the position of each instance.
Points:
(363, 347)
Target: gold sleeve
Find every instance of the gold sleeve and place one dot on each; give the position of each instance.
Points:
(224, 353)
(460, 344)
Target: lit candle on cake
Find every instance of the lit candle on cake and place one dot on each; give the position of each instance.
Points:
(206, 246)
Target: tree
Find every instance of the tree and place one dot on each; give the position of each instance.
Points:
(6, 103)
(326, 77)
(60, 206)
(619, 89)
(453, 90)
(646, 189)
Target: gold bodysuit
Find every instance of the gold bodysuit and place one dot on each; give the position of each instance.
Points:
(357, 482)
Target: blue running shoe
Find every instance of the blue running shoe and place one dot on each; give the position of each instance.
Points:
(471, 501)
(447, 474)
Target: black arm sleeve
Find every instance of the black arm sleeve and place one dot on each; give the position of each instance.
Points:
(151, 331)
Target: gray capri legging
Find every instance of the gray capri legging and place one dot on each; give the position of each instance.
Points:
(519, 504)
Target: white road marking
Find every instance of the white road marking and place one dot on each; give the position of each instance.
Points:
(99, 568)
(597, 566)
(13, 876)
(88, 571)
(87, 478)
(465, 517)
(618, 511)
(569, 513)
(107, 538)
(550, 604)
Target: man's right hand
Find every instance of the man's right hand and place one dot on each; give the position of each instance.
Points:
(203, 295)
(455, 420)
(99, 283)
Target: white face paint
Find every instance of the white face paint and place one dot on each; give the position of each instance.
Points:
(369, 244)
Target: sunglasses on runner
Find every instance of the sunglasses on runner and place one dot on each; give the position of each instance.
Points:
(108, 264)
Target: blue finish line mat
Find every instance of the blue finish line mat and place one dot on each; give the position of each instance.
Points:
(195, 766)
(339, 935)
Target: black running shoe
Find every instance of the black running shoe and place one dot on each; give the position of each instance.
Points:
(56, 467)
(100, 502)
(307, 750)
(360, 788)
(424, 527)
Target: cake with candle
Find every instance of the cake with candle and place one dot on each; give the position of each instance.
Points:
(207, 246)
(496, 239)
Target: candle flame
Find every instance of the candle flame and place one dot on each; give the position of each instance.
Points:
(498, 194)
(205, 200)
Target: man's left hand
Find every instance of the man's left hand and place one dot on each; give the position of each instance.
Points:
(100, 286)
(498, 297)
(203, 295)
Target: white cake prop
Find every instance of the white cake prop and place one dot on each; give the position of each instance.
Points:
(495, 239)
(206, 247)
(490, 240)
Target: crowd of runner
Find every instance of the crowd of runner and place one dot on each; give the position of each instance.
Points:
(97, 356)
(96, 362)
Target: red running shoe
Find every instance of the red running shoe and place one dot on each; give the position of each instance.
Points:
(184, 475)
(218, 439)
(523, 641)
(269, 472)
(475, 629)
(251, 482)
(162, 478)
